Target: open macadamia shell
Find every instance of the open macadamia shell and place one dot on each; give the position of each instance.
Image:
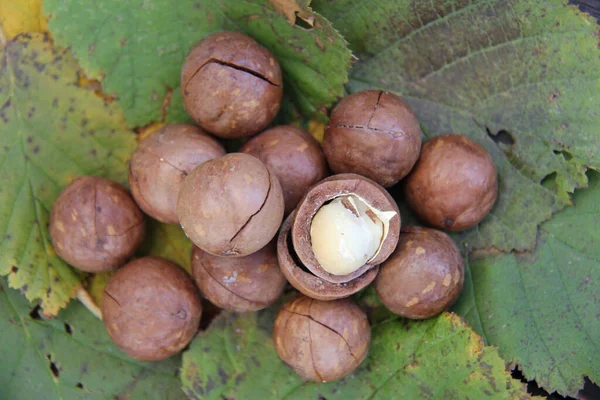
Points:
(231, 85)
(95, 225)
(151, 308)
(231, 206)
(294, 156)
(161, 162)
(375, 134)
(423, 277)
(454, 185)
(248, 283)
(326, 190)
(322, 340)
(308, 283)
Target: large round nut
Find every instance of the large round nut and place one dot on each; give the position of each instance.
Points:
(240, 284)
(161, 162)
(344, 226)
(231, 206)
(375, 134)
(322, 340)
(423, 277)
(454, 184)
(305, 281)
(294, 156)
(151, 308)
(231, 85)
(95, 225)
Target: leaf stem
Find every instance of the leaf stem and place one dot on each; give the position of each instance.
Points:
(84, 297)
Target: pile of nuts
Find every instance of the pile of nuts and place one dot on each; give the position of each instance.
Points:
(272, 214)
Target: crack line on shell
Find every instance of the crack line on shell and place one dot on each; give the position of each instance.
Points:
(312, 356)
(169, 313)
(230, 65)
(375, 109)
(367, 128)
(229, 290)
(163, 159)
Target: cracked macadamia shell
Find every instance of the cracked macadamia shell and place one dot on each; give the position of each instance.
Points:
(151, 308)
(322, 340)
(95, 225)
(308, 283)
(248, 283)
(454, 184)
(294, 156)
(423, 277)
(319, 195)
(161, 162)
(231, 85)
(231, 206)
(375, 134)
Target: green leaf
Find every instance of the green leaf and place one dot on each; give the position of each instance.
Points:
(542, 308)
(437, 358)
(87, 365)
(167, 241)
(521, 77)
(137, 47)
(52, 131)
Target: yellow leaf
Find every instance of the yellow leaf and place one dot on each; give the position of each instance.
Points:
(291, 9)
(21, 16)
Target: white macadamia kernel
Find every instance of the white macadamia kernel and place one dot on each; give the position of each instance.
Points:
(347, 233)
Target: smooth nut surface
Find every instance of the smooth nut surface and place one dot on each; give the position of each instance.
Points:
(305, 281)
(161, 162)
(375, 134)
(322, 340)
(239, 284)
(231, 85)
(454, 184)
(231, 206)
(294, 156)
(423, 277)
(95, 225)
(151, 308)
(380, 205)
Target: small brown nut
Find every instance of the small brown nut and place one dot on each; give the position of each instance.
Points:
(95, 225)
(454, 184)
(375, 134)
(294, 156)
(344, 226)
(322, 340)
(161, 162)
(308, 283)
(423, 277)
(241, 284)
(151, 308)
(231, 206)
(231, 85)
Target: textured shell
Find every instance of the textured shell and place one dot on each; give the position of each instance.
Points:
(322, 340)
(231, 85)
(374, 134)
(308, 283)
(161, 162)
(95, 225)
(327, 190)
(454, 184)
(151, 308)
(231, 206)
(423, 277)
(239, 284)
(294, 156)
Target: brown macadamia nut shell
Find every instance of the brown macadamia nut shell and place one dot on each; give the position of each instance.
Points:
(95, 225)
(322, 340)
(231, 206)
(294, 156)
(161, 162)
(231, 85)
(240, 284)
(454, 185)
(326, 190)
(375, 134)
(309, 284)
(151, 308)
(423, 277)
